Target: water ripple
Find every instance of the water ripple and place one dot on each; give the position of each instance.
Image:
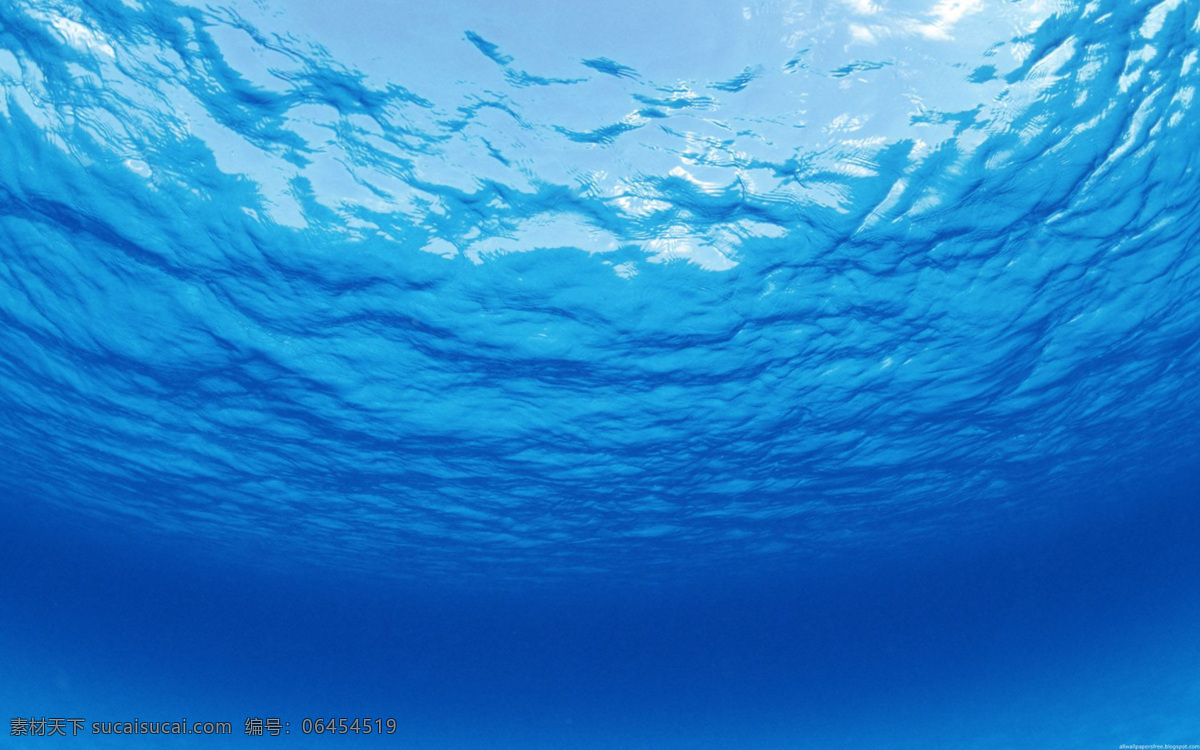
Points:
(917, 267)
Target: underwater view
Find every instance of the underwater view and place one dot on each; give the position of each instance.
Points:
(643, 375)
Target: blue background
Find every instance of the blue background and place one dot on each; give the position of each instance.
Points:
(790, 374)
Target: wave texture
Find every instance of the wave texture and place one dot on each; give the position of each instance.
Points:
(640, 292)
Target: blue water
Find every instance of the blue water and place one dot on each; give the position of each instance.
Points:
(790, 374)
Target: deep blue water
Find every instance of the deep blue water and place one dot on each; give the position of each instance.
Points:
(788, 374)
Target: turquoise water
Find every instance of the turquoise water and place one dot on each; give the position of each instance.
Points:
(782, 374)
